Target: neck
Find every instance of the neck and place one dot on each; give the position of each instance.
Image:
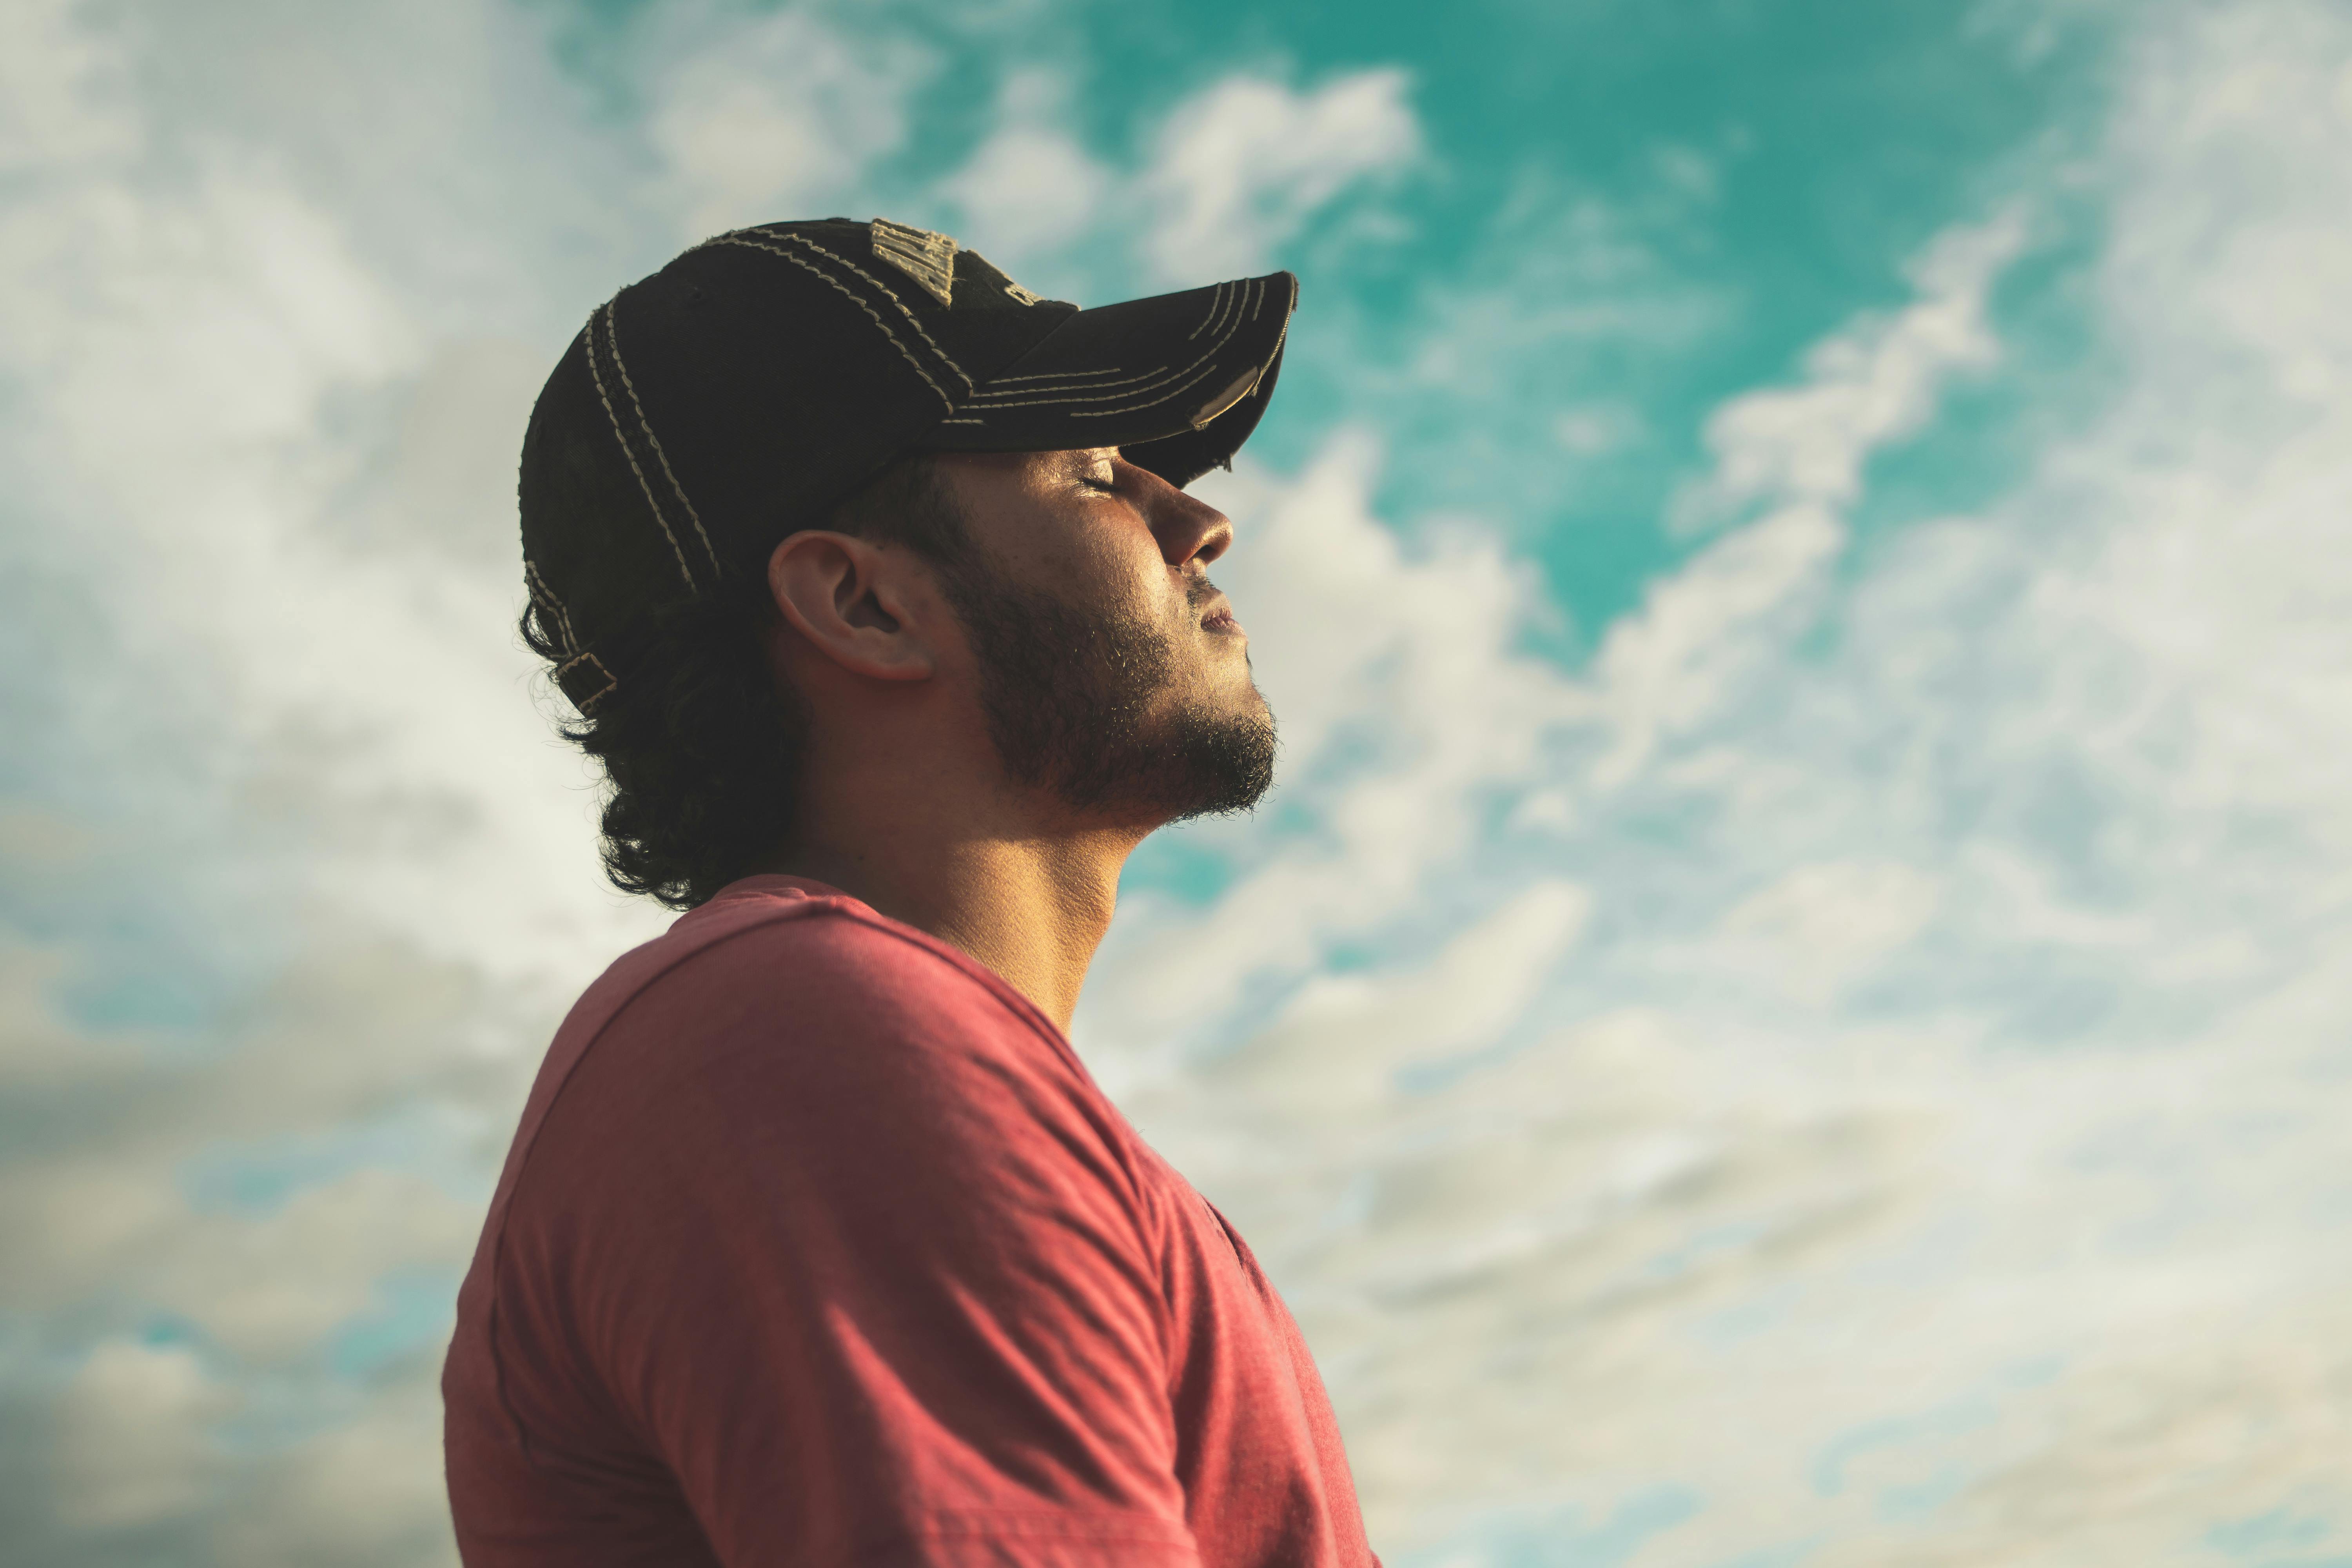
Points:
(1028, 898)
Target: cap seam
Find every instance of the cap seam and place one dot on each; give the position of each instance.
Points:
(605, 397)
(544, 596)
(612, 341)
(891, 294)
(851, 295)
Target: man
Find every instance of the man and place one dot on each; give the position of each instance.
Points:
(875, 585)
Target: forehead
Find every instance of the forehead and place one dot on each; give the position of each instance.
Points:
(1013, 467)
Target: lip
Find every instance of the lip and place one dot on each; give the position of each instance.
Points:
(1220, 617)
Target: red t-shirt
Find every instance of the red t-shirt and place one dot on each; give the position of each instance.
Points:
(817, 1247)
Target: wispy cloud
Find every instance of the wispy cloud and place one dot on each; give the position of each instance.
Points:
(780, 116)
(1239, 167)
(1032, 184)
(134, 1444)
(1872, 383)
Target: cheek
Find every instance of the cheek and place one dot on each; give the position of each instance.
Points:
(1085, 553)
(1118, 575)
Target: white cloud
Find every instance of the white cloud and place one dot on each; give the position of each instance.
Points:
(50, 71)
(780, 118)
(1588, 430)
(1027, 188)
(1032, 185)
(367, 1490)
(1823, 925)
(1334, 1050)
(1397, 678)
(1872, 384)
(1695, 642)
(452, 462)
(134, 1440)
(269, 1289)
(1240, 167)
(1799, 450)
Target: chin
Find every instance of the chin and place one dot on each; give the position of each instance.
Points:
(1219, 761)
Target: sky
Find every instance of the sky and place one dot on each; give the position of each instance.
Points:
(1792, 1005)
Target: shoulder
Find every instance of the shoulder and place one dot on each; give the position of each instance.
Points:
(811, 1040)
(784, 965)
(773, 1004)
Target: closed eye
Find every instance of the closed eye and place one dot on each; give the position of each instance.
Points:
(1100, 474)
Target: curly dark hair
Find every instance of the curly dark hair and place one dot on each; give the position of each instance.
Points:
(700, 748)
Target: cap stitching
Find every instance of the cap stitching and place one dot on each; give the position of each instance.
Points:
(1160, 370)
(544, 596)
(984, 396)
(1240, 295)
(1205, 371)
(1197, 369)
(1252, 290)
(1243, 297)
(1201, 376)
(851, 295)
(912, 319)
(605, 397)
(1215, 315)
(612, 341)
(1149, 403)
(1057, 375)
(1212, 314)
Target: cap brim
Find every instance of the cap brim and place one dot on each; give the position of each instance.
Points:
(1177, 381)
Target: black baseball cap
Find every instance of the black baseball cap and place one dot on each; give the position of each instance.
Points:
(748, 387)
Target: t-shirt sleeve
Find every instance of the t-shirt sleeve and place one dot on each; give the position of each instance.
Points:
(838, 1234)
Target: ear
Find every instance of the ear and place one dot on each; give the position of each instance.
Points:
(858, 603)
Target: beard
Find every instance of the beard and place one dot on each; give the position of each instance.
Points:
(1094, 709)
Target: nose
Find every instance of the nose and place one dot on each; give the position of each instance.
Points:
(1189, 531)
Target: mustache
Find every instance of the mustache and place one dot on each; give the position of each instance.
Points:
(1201, 591)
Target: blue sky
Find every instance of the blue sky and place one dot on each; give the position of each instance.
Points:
(1789, 1008)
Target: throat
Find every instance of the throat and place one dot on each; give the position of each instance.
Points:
(1032, 910)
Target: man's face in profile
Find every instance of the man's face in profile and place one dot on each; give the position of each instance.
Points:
(1113, 672)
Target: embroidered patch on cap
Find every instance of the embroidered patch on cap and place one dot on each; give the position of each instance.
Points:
(929, 258)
